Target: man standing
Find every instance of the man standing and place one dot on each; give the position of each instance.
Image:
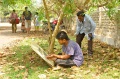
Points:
(13, 18)
(71, 52)
(27, 14)
(85, 26)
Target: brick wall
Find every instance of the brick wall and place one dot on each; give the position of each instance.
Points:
(107, 30)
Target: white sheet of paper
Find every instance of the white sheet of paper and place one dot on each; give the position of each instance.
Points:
(42, 54)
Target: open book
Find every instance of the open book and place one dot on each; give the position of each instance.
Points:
(42, 54)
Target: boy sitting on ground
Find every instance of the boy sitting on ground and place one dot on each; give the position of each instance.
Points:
(71, 52)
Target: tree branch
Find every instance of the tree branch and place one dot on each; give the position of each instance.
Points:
(47, 15)
(101, 5)
(86, 2)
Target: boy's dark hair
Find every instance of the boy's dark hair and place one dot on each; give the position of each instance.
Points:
(81, 13)
(62, 35)
(26, 7)
(36, 13)
(13, 10)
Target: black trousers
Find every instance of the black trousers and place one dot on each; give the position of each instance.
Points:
(79, 39)
(64, 63)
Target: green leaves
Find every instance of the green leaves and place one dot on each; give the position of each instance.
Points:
(18, 5)
(8, 2)
(41, 13)
(112, 7)
(69, 8)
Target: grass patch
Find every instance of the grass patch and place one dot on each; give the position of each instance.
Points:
(25, 63)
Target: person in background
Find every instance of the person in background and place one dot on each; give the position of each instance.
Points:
(27, 14)
(71, 52)
(23, 23)
(54, 23)
(36, 22)
(85, 26)
(12, 18)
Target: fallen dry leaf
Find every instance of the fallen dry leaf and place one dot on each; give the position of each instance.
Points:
(46, 71)
(2, 73)
(21, 67)
(86, 72)
(61, 78)
(42, 76)
(61, 74)
(26, 74)
(71, 76)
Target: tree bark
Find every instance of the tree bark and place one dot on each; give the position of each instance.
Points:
(47, 15)
(55, 33)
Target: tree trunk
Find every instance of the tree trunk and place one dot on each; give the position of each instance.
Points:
(55, 33)
(47, 15)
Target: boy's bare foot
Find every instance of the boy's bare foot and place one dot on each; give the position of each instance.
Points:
(56, 68)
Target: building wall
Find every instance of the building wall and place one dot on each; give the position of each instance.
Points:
(107, 30)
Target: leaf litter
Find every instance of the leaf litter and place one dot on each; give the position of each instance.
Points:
(105, 61)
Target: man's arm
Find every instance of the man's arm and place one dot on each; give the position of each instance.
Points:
(78, 27)
(16, 15)
(92, 24)
(30, 13)
(65, 55)
(59, 56)
(24, 14)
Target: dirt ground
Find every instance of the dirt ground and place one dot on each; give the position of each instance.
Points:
(6, 37)
(8, 40)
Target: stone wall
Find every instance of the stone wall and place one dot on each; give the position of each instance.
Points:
(107, 30)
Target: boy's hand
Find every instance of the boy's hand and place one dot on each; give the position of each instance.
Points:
(50, 56)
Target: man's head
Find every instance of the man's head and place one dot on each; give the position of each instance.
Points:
(13, 10)
(36, 13)
(26, 8)
(62, 37)
(81, 15)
